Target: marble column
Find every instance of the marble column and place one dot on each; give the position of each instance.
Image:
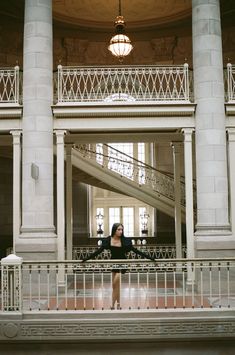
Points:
(16, 186)
(177, 184)
(60, 194)
(37, 230)
(188, 169)
(69, 203)
(231, 155)
(211, 160)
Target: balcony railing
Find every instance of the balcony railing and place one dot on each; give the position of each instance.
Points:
(146, 285)
(155, 251)
(10, 85)
(230, 82)
(128, 84)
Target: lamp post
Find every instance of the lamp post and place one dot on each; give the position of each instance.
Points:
(99, 218)
(144, 222)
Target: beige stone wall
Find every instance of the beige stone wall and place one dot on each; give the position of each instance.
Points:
(76, 47)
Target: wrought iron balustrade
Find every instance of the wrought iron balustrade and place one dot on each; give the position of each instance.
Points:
(10, 84)
(155, 251)
(184, 284)
(230, 82)
(123, 84)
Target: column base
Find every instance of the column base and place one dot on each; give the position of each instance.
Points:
(37, 243)
(214, 242)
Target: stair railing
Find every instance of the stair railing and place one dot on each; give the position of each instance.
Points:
(136, 171)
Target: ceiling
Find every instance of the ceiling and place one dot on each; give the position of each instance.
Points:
(137, 13)
(100, 14)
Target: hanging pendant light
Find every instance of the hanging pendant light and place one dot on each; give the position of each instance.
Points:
(120, 45)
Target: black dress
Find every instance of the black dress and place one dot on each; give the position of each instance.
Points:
(118, 252)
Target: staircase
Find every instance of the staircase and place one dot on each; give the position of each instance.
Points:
(127, 175)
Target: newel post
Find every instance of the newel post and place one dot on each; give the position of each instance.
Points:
(11, 283)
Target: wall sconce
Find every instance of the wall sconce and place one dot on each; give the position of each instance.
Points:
(34, 171)
(99, 218)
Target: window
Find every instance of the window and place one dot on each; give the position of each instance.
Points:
(114, 216)
(128, 221)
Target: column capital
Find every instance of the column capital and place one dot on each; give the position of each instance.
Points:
(16, 134)
(231, 134)
(188, 134)
(60, 136)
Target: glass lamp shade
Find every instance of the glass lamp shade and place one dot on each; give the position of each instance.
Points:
(120, 45)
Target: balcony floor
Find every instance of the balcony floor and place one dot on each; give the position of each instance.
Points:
(167, 295)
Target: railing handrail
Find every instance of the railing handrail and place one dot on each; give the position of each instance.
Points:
(148, 181)
(75, 67)
(131, 261)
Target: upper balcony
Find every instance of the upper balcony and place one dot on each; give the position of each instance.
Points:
(230, 85)
(120, 91)
(10, 92)
(124, 91)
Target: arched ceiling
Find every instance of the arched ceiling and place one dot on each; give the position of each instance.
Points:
(137, 13)
(100, 14)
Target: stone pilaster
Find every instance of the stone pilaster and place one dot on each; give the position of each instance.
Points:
(211, 160)
(37, 231)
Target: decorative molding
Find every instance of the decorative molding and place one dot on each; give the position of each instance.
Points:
(125, 328)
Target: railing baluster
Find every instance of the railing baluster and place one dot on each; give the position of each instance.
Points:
(174, 287)
(84, 290)
(228, 283)
(102, 290)
(57, 287)
(210, 283)
(219, 284)
(30, 287)
(147, 288)
(75, 290)
(201, 285)
(48, 287)
(66, 285)
(129, 289)
(156, 289)
(165, 289)
(39, 287)
(93, 290)
(138, 290)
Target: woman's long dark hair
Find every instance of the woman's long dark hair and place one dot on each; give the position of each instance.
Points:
(115, 227)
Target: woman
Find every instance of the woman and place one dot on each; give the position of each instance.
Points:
(118, 245)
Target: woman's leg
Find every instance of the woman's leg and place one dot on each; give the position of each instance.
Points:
(116, 288)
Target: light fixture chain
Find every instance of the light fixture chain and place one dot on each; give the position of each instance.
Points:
(120, 8)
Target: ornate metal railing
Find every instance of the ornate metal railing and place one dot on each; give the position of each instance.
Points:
(155, 251)
(132, 169)
(34, 286)
(123, 83)
(10, 85)
(230, 82)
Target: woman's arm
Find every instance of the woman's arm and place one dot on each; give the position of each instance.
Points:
(105, 244)
(128, 244)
